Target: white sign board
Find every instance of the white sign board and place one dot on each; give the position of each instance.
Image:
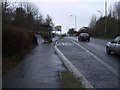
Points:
(58, 28)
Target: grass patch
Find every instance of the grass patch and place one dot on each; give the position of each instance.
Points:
(61, 37)
(69, 81)
(65, 66)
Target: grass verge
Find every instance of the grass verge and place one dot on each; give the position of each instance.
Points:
(69, 81)
(61, 37)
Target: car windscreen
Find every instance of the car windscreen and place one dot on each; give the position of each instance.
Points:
(85, 34)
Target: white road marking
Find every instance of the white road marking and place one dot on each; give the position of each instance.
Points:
(64, 44)
(97, 58)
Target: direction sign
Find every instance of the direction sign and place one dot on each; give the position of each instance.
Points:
(58, 28)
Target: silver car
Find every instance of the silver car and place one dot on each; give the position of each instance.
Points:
(113, 46)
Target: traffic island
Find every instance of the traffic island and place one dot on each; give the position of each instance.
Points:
(69, 81)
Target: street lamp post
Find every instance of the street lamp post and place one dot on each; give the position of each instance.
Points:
(105, 17)
(100, 13)
(75, 22)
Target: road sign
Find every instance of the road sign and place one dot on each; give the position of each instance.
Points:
(58, 28)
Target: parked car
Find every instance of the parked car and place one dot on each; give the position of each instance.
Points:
(84, 37)
(113, 46)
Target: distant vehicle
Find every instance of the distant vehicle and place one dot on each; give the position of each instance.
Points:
(113, 46)
(63, 35)
(84, 37)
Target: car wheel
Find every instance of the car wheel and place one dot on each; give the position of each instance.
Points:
(108, 50)
(81, 40)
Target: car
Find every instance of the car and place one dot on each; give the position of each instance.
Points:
(113, 46)
(84, 37)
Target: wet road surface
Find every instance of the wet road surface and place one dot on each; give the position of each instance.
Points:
(98, 48)
(38, 70)
(90, 58)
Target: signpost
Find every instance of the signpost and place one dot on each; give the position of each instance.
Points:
(50, 29)
(58, 28)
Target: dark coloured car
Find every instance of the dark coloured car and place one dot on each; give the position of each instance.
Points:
(113, 46)
(84, 37)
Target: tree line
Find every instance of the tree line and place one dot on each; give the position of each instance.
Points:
(97, 26)
(19, 20)
(24, 15)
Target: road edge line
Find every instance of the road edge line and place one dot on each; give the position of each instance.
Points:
(73, 69)
(97, 58)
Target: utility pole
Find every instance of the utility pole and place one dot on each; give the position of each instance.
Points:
(105, 18)
(75, 22)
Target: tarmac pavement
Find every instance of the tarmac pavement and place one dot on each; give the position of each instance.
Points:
(39, 69)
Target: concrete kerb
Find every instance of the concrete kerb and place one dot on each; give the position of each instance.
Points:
(73, 69)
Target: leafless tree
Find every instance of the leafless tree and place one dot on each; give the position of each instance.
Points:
(116, 11)
(92, 22)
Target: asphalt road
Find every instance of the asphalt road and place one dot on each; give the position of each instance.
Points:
(98, 48)
(90, 58)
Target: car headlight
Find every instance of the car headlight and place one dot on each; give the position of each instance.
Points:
(108, 43)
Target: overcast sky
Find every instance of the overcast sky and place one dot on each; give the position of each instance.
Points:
(60, 11)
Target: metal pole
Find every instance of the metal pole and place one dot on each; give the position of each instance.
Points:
(105, 18)
(75, 24)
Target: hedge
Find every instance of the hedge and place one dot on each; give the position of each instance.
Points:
(14, 40)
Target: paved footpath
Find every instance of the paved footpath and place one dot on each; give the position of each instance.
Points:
(38, 70)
